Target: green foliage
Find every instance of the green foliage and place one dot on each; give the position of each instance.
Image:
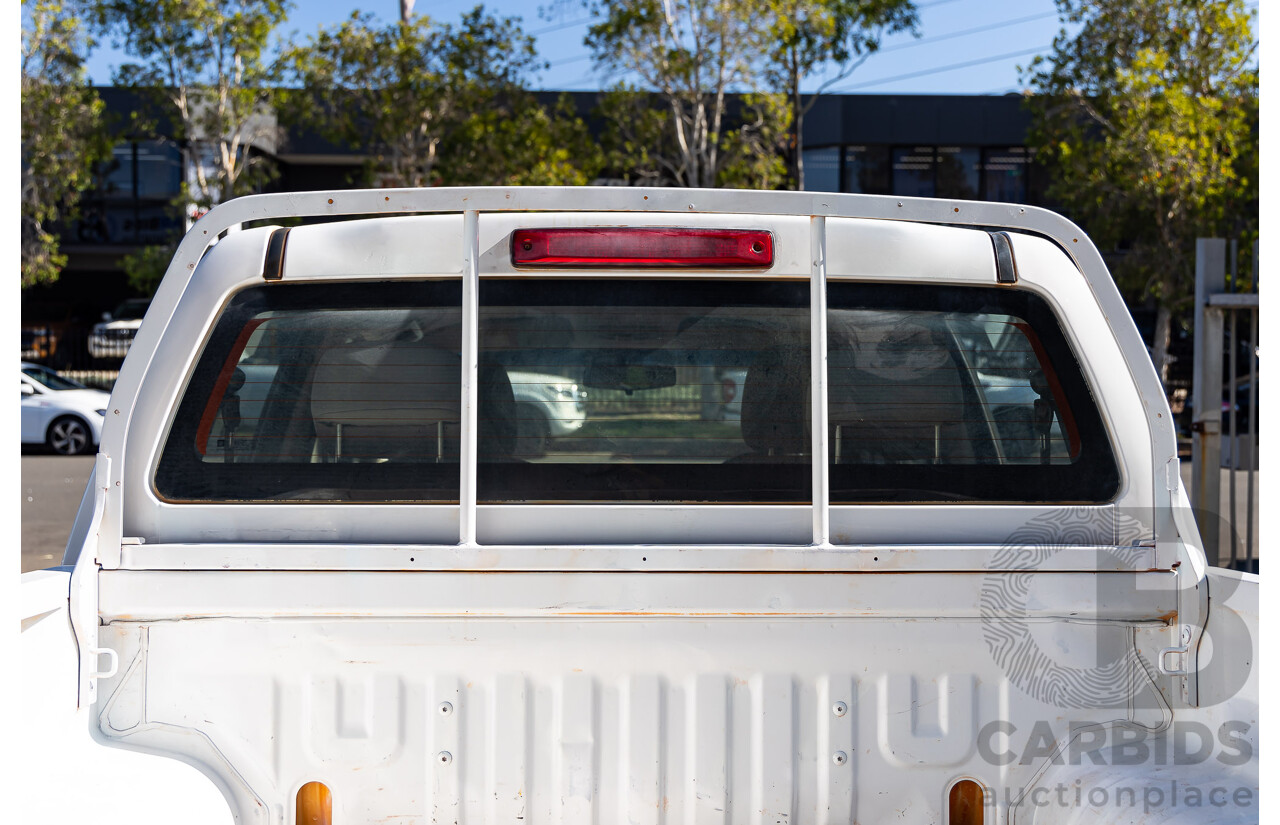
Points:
(1147, 119)
(752, 151)
(692, 54)
(805, 35)
(521, 143)
(637, 141)
(432, 104)
(62, 132)
(146, 267)
(207, 61)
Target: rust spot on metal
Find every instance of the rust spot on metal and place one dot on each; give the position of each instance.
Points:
(1169, 618)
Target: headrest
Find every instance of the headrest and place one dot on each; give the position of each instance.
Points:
(386, 385)
(895, 395)
(396, 396)
(775, 402)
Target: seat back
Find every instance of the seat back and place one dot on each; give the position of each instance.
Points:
(775, 404)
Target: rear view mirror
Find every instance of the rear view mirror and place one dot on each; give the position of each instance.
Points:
(629, 377)
(27, 389)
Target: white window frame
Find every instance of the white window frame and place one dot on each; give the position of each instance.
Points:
(351, 536)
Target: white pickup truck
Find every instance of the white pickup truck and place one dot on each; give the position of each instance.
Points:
(937, 567)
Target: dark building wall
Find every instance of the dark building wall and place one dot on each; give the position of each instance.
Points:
(917, 119)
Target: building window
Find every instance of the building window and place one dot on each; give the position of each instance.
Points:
(957, 169)
(1004, 174)
(822, 169)
(117, 181)
(866, 170)
(159, 166)
(913, 172)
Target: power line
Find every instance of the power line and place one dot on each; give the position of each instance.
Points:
(568, 60)
(952, 35)
(569, 24)
(555, 27)
(948, 68)
(912, 44)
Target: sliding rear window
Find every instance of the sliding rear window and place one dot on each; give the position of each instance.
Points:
(958, 394)
(649, 390)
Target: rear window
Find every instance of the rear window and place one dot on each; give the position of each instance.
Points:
(958, 394)
(642, 390)
(650, 390)
(324, 392)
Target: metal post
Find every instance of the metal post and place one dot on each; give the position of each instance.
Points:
(467, 461)
(818, 379)
(1233, 531)
(1253, 434)
(1206, 393)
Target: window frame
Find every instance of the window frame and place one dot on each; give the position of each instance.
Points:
(600, 543)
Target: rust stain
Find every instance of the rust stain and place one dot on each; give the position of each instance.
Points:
(1169, 618)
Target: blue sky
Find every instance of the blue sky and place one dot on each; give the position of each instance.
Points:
(966, 46)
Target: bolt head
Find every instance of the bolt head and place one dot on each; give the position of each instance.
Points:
(839, 757)
(839, 708)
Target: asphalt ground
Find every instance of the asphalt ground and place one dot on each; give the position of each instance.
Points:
(52, 486)
(51, 489)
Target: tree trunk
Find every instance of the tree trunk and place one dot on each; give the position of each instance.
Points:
(797, 126)
(1160, 343)
(795, 168)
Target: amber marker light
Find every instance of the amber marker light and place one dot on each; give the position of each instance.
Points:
(642, 247)
(315, 805)
(965, 803)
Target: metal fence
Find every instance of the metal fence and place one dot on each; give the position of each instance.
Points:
(1225, 408)
(98, 379)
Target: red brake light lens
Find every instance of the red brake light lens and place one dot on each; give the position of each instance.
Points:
(642, 247)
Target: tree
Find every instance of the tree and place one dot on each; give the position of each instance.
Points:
(207, 60)
(62, 131)
(805, 35)
(520, 142)
(692, 53)
(411, 92)
(1144, 117)
(753, 150)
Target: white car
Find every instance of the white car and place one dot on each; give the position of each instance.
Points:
(113, 336)
(547, 406)
(59, 412)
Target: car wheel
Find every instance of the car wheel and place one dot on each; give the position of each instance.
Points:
(532, 432)
(69, 436)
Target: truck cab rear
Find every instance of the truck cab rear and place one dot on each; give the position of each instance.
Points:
(934, 567)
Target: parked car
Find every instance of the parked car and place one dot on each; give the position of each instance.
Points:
(547, 406)
(59, 412)
(113, 336)
(39, 342)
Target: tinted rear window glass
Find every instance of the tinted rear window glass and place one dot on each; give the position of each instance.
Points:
(649, 390)
(324, 393)
(958, 394)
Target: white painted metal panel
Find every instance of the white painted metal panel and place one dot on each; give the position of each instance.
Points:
(612, 682)
(730, 720)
